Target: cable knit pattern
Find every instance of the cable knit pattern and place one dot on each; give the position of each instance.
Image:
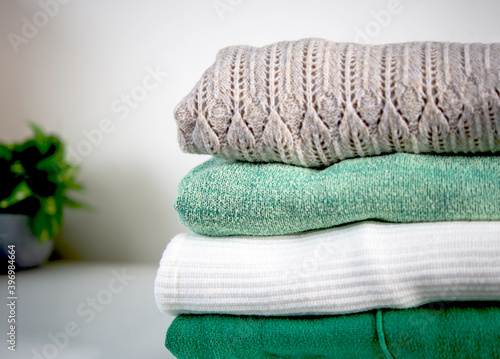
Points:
(313, 102)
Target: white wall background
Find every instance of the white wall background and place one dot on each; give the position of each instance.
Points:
(89, 53)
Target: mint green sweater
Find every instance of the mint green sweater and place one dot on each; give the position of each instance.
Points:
(466, 331)
(222, 198)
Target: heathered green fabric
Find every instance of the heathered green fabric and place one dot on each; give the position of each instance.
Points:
(222, 198)
(454, 332)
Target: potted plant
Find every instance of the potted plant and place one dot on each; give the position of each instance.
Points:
(35, 179)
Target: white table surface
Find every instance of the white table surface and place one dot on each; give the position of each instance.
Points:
(91, 310)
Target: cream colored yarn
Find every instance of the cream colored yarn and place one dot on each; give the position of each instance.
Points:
(313, 102)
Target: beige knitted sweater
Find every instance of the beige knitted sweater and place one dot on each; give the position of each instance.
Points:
(313, 102)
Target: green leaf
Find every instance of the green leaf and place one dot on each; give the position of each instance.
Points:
(49, 205)
(5, 152)
(41, 139)
(44, 236)
(57, 221)
(73, 185)
(17, 168)
(41, 226)
(72, 204)
(21, 192)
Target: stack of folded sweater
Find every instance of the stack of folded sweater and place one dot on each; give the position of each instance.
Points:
(352, 208)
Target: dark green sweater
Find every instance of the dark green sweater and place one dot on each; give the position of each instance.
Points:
(460, 330)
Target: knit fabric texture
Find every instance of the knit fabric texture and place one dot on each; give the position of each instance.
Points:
(347, 269)
(222, 198)
(459, 331)
(313, 102)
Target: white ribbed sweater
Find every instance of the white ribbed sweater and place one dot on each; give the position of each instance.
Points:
(341, 270)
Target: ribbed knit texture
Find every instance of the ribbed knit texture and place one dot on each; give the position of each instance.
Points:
(341, 270)
(313, 102)
(465, 331)
(222, 198)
